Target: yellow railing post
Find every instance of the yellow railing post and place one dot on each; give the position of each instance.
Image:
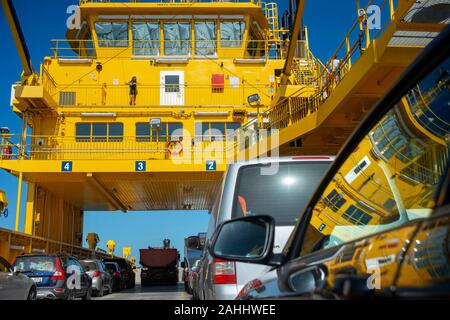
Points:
(349, 63)
(19, 200)
(367, 36)
(392, 9)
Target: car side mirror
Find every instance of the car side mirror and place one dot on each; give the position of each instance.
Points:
(16, 270)
(249, 239)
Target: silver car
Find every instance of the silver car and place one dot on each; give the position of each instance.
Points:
(102, 281)
(14, 285)
(276, 187)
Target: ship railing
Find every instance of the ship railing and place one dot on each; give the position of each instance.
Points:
(48, 82)
(159, 147)
(17, 243)
(257, 2)
(296, 107)
(188, 95)
(155, 50)
(419, 107)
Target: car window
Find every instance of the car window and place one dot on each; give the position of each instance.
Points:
(281, 194)
(110, 267)
(74, 265)
(36, 263)
(395, 173)
(89, 266)
(121, 262)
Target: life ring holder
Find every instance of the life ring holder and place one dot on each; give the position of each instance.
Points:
(7, 152)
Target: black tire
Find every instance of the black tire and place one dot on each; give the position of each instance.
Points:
(110, 291)
(32, 295)
(88, 295)
(101, 291)
(70, 295)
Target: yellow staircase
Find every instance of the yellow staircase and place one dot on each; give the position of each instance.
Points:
(368, 66)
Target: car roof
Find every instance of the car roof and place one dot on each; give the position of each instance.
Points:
(267, 160)
(53, 255)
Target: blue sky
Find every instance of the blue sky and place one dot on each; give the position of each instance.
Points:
(328, 22)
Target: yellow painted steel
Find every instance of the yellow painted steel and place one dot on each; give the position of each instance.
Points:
(111, 244)
(19, 199)
(3, 201)
(93, 239)
(126, 251)
(320, 123)
(30, 213)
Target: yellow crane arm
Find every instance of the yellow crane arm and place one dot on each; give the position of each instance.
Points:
(19, 39)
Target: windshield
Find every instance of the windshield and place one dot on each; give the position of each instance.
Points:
(89, 266)
(122, 263)
(281, 195)
(36, 264)
(110, 267)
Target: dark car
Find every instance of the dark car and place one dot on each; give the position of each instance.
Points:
(57, 276)
(378, 226)
(126, 269)
(118, 278)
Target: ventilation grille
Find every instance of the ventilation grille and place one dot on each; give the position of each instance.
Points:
(67, 98)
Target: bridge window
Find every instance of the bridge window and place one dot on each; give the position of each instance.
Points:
(177, 38)
(115, 133)
(99, 132)
(143, 132)
(255, 45)
(146, 38)
(83, 132)
(232, 33)
(172, 83)
(356, 216)
(205, 38)
(175, 131)
(335, 201)
(167, 132)
(216, 131)
(112, 34)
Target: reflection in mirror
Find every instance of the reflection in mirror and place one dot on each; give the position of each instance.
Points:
(242, 238)
(394, 174)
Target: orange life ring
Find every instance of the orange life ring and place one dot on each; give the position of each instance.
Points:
(7, 153)
(175, 148)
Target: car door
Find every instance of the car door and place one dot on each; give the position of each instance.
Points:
(373, 215)
(426, 269)
(6, 286)
(84, 278)
(12, 286)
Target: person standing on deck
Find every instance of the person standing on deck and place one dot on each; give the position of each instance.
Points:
(133, 90)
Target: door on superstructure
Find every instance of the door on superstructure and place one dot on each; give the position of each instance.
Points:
(172, 88)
